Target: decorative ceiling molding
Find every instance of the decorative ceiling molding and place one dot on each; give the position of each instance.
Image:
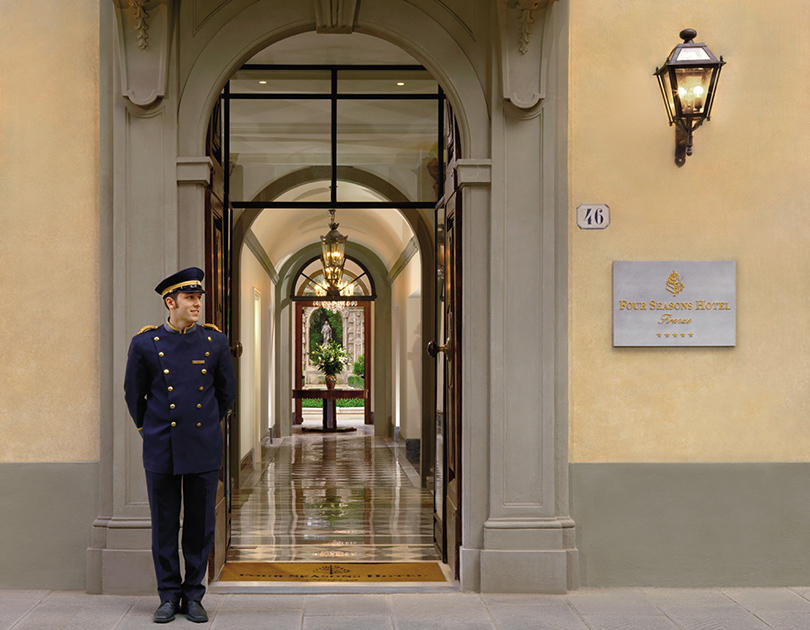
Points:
(522, 63)
(144, 34)
(335, 16)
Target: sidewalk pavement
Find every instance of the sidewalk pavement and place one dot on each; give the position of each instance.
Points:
(586, 609)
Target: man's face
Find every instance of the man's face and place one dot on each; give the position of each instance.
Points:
(187, 307)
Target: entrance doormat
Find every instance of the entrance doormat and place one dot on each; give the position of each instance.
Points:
(332, 572)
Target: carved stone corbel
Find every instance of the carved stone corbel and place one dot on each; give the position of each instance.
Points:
(144, 36)
(335, 16)
(521, 24)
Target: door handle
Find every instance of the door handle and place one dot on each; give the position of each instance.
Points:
(433, 349)
(236, 349)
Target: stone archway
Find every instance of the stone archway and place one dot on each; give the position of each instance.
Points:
(514, 447)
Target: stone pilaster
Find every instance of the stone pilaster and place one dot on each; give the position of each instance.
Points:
(145, 247)
(528, 541)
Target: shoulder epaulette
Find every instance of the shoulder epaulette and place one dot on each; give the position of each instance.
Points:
(212, 327)
(147, 328)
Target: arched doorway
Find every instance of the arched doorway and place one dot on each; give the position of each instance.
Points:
(280, 200)
(158, 226)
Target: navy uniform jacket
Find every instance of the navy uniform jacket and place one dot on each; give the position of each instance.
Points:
(178, 386)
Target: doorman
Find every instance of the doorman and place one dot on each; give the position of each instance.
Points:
(179, 384)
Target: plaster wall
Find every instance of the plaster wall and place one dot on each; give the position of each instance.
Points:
(49, 230)
(254, 394)
(743, 196)
(408, 348)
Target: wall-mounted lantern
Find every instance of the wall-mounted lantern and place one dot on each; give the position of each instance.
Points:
(688, 80)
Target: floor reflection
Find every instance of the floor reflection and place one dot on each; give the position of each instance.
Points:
(346, 496)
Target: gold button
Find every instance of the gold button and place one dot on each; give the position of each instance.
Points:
(199, 424)
(160, 354)
(165, 371)
(204, 371)
(201, 388)
(171, 406)
(174, 424)
(157, 338)
(207, 353)
(198, 405)
(209, 339)
(171, 389)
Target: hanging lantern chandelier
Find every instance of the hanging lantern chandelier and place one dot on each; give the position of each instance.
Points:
(333, 257)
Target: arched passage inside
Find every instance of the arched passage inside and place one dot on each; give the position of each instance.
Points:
(394, 246)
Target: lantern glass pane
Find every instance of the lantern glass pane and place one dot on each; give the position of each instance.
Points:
(691, 54)
(693, 89)
(667, 93)
(333, 248)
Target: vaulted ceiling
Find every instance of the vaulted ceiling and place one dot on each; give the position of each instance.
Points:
(282, 232)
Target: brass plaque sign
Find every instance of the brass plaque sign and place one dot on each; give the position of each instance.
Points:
(675, 303)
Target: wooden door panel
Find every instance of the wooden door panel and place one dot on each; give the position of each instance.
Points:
(448, 424)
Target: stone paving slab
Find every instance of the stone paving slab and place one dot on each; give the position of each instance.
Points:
(630, 622)
(587, 609)
(526, 612)
(763, 599)
(15, 604)
(355, 605)
(349, 622)
(716, 619)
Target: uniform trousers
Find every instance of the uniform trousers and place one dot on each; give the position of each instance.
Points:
(197, 493)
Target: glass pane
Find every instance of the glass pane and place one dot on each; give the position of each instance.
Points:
(311, 281)
(391, 144)
(281, 82)
(693, 89)
(692, 54)
(386, 82)
(439, 335)
(271, 139)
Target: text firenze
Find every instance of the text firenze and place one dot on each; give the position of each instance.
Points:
(653, 305)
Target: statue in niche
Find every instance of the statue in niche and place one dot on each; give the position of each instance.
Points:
(326, 332)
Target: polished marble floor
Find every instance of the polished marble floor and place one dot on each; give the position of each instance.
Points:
(342, 497)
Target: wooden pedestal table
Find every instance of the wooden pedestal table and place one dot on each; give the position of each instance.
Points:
(330, 397)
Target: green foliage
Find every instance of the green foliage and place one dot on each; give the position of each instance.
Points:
(317, 403)
(360, 366)
(316, 322)
(358, 382)
(330, 359)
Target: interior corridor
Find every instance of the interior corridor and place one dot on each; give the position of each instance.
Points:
(350, 497)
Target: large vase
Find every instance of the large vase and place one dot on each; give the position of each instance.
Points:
(330, 381)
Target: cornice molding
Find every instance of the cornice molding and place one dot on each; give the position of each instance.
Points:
(255, 246)
(473, 172)
(144, 35)
(194, 170)
(404, 258)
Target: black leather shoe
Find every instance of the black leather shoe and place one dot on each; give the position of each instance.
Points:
(165, 612)
(194, 611)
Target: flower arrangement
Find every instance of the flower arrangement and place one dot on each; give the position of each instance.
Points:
(330, 358)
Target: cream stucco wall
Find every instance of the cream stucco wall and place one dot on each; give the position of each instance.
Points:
(49, 230)
(256, 362)
(743, 195)
(407, 347)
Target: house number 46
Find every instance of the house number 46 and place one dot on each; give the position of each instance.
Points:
(593, 216)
